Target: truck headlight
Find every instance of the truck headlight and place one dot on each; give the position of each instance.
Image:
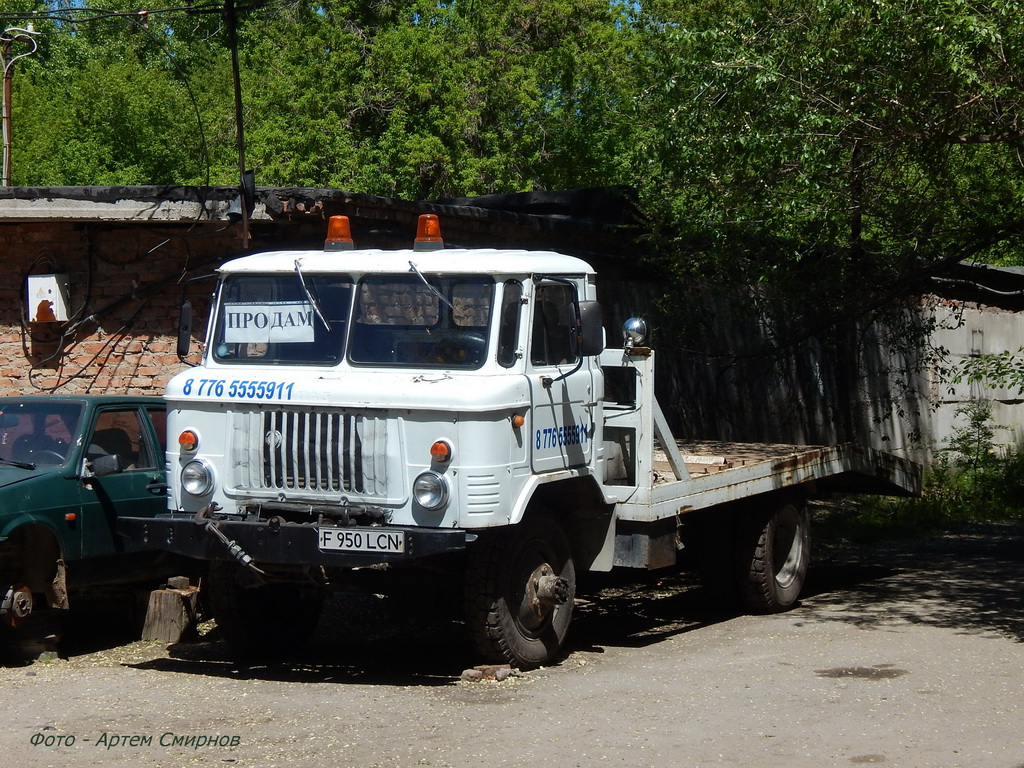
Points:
(430, 490)
(197, 478)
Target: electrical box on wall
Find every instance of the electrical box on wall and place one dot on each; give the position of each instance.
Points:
(47, 298)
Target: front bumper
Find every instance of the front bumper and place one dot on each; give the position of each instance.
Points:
(278, 543)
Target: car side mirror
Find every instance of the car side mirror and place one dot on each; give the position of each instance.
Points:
(111, 464)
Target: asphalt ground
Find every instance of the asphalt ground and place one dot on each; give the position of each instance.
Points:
(900, 654)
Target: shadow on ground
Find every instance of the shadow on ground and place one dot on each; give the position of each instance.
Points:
(372, 640)
(971, 580)
(361, 638)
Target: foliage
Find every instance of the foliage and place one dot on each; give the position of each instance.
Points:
(969, 482)
(856, 137)
(420, 99)
(410, 98)
(831, 153)
(838, 151)
(109, 103)
(1000, 370)
(884, 128)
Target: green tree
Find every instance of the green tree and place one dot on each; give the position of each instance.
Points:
(882, 135)
(995, 370)
(119, 99)
(421, 99)
(833, 153)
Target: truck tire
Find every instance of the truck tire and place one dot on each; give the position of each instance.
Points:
(773, 551)
(265, 622)
(521, 582)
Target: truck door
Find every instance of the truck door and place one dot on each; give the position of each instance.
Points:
(561, 388)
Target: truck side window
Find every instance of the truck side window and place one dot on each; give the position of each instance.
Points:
(550, 343)
(508, 332)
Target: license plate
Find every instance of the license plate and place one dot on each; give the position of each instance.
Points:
(378, 540)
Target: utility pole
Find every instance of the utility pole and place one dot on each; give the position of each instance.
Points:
(7, 40)
(247, 183)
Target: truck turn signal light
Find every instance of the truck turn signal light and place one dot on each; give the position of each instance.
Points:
(188, 440)
(441, 452)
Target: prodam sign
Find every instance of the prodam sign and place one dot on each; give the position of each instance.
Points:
(268, 323)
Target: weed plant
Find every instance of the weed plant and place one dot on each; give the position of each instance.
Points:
(971, 481)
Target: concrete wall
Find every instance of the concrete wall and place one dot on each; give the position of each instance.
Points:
(967, 330)
(866, 392)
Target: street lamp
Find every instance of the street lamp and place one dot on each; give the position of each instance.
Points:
(7, 39)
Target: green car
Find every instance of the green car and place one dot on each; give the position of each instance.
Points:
(69, 466)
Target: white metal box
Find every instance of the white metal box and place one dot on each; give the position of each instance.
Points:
(47, 298)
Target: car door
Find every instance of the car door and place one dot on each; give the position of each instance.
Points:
(138, 488)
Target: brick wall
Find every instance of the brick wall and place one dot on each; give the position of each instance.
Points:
(125, 284)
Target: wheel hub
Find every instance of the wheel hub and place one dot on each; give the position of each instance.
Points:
(545, 590)
(16, 605)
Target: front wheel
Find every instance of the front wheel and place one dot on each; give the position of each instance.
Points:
(26, 630)
(773, 551)
(262, 622)
(520, 591)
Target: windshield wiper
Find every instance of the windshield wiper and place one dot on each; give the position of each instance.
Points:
(19, 464)
(312, 302)
(455, 312)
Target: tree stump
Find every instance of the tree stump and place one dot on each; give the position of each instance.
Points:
(171, 613)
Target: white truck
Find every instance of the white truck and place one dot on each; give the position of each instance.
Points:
(370, 418)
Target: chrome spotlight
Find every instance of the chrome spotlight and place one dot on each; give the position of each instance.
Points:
(634, 331)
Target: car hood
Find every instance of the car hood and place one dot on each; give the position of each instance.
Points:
(14, 475)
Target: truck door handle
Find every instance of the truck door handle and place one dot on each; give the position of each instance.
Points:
(157, 487)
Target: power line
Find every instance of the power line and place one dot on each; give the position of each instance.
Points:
(85, 14)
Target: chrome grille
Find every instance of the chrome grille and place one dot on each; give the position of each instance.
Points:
(318, 451)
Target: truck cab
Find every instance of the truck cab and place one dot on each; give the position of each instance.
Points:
(403, 388)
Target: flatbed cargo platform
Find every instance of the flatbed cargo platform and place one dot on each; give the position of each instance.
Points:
(719, 472)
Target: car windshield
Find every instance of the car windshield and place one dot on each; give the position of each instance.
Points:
(422, 321)
(38, 432)
(295, 319)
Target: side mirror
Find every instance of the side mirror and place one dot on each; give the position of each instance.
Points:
(184, 329)
(112, 464)
(591, 329)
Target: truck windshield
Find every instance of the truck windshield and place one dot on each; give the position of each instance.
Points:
(419, 322)
(292, 319)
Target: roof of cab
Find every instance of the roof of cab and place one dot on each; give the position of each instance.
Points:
(490, 261)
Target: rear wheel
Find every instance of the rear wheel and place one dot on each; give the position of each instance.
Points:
(773, 552)
(520, 590)
(261, 622)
